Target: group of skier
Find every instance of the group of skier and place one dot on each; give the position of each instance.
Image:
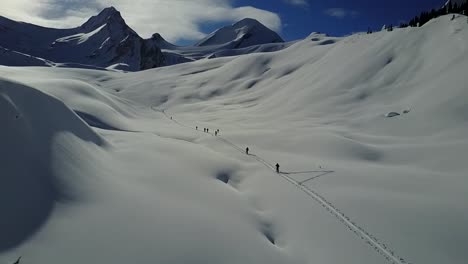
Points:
(207, 130)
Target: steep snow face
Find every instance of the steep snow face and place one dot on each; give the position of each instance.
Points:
(245, 33)
(355, 186)
(80, 38)
(104, 40)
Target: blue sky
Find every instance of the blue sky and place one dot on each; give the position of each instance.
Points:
(340, 17)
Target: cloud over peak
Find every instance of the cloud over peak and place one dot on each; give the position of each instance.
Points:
(175, 20)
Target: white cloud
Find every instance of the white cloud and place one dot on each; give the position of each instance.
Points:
(173, 19)
(302, 3)
(341, 13)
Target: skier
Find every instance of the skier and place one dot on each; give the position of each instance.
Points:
(196, 127)
(277, 168)
(216, 133)
(247, 151)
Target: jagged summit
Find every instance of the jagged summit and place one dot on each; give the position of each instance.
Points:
(107, 15)
(247, 32)
(161, 42)
(158, 37)
(249, 22)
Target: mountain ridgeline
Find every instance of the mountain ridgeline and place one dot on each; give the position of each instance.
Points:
(106, 41)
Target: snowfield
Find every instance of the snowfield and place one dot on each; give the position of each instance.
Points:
(108, 167)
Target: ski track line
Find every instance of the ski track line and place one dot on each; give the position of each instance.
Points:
(381, 248)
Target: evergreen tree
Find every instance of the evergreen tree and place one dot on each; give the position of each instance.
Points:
(433, 14)
(416, 21)
(425, 16)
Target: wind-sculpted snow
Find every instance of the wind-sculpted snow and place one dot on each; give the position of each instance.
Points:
(29, 185)
(354, 186)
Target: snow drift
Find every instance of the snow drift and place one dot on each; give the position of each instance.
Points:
(29, 186)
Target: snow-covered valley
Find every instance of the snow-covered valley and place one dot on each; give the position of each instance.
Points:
(110, 167)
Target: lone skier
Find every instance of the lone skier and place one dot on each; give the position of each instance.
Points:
(277, 168)
(247, 151)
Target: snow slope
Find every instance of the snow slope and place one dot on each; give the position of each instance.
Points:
(356, 186)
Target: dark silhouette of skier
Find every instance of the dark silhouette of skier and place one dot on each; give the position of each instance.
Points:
(247, 151)
(196, 127)
(216, 133)
(277, 168)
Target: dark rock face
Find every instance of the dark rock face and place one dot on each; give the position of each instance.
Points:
(151, 55)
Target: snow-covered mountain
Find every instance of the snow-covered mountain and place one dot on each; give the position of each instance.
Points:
(370, 132)
(103, 41)
(106, 41)
(245, 33)
(244, 37)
